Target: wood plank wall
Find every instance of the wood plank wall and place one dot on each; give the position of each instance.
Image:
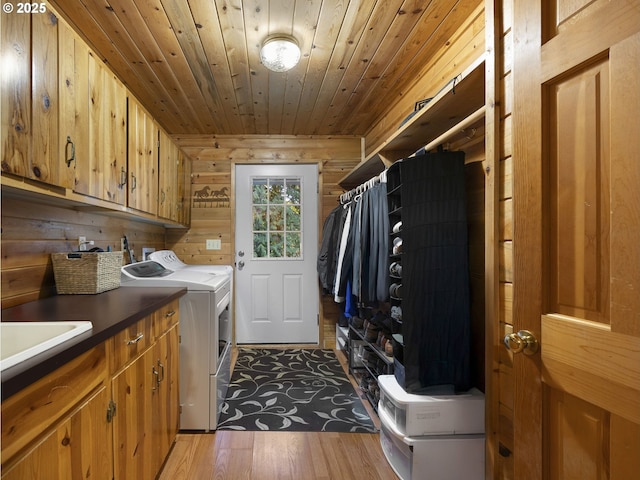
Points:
(504, 36)
(213, 214)
(32, 230)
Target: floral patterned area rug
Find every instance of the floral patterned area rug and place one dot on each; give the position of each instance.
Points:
(302, 390)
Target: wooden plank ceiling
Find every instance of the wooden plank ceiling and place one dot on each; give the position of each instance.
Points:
(195, 64)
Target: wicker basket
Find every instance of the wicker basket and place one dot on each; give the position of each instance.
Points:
(86, 273)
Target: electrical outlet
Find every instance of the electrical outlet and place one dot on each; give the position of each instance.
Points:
(82, 244)
(122, 244)
(146, 251)
(214, 244)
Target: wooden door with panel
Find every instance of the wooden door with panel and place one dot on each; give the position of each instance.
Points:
(576, 269)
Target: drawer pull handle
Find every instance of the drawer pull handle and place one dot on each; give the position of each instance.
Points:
(136, 340)
(161, 366)
(157, 380)
(170, 314)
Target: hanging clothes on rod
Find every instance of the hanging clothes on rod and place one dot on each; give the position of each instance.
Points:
(355, 244)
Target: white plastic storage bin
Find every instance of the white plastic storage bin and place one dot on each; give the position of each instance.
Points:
(342, 337)
(417, 415)
(437, 457)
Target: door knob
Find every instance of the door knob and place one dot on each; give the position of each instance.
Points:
(240, 265)
(523, 341)
(241, 253)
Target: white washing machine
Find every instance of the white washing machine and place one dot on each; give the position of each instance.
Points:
(205, 337)
(169, 259)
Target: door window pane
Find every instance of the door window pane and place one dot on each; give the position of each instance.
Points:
(259, 218)
(277, 217)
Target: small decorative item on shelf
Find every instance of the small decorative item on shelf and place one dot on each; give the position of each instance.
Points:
(397, 246)
(395, 269)
(395, 290)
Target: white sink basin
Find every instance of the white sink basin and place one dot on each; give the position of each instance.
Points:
(21, 342)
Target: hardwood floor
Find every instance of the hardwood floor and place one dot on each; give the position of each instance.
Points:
(278, 455)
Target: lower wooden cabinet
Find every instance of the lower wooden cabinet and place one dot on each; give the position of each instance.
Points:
(166, 418)
(80, 447)
(147, 415)
(120, 424)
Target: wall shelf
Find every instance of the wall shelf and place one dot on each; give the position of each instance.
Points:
(462, 102)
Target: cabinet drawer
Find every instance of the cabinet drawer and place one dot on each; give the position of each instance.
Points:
(129, 343)
(29, 412)
(165, 318)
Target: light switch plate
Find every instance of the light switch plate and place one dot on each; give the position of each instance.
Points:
(214, 244)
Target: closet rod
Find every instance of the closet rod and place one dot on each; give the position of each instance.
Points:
(347, 196)
(457, 128)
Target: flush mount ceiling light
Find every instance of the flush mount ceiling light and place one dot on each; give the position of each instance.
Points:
(280, 53)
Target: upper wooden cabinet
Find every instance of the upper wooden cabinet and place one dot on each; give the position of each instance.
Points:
(103, 174)
(73, 124)
(68, 121)
(30, 98)
(143, 159)
(174, 182)
(168, 178)
(184, 189)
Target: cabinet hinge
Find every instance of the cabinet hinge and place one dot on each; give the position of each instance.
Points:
(317, 319)
(111, 411)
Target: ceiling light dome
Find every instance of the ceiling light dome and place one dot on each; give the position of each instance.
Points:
(280, 53)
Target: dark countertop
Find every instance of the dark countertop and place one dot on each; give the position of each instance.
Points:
(110, 312)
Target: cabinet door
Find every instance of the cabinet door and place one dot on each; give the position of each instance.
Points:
(15, 91)
(168, 178)
(45, 165)
(183, 194)
(132, 425)
(73, 64)
(166, 401)
(80, 447)
(30, 96)
(143, 159)
(103, 175)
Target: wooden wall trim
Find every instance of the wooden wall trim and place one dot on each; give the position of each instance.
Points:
(493, 29)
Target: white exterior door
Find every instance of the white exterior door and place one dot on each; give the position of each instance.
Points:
(276, 251)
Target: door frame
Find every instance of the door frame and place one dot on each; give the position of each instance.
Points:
(233, 209)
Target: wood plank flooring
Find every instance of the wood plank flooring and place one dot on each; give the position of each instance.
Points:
(278, 455)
